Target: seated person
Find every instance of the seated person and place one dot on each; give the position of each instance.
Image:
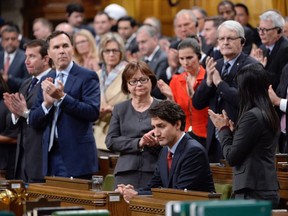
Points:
(189, 166)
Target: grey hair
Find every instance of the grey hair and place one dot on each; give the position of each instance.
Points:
(148, 29)
(273, 16)
(233, 25)
(156, 23)
(183, 12)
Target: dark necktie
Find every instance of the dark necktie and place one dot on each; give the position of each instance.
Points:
(225, 71)
(268, 52)
(32, 84)
(169, 160)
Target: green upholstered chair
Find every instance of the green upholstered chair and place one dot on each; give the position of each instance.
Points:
(108, 183)
(224, 189)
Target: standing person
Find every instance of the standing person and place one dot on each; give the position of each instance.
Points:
(65, 109)
(112, 54)
(183, 86)
(85, 50)
(42, 28)
(251, 147)
(189, 168)
(130, 132)
(29, 146)
(101, 25)
(12, 59)
(219, 89)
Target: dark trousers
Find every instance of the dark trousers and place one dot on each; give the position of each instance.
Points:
(283, 148)
(272, 196)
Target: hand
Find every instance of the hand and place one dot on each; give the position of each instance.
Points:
(19, 104)
(210, 68)
(273, 97)
(165, 89)
(216, 78)
(129, 193)
(149, 140)
(259, 56)
(173, 58)
(9, 104)
(220, 120)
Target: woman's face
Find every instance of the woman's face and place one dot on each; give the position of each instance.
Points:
(82, 44)
(140, 85)
(111, 54)
(188, 60)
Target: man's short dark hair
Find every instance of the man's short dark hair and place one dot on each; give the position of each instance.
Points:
(132, 21)
(74, 7)
(170, 112)
(55, 34)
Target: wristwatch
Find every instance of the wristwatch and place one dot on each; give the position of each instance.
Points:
(26, 113)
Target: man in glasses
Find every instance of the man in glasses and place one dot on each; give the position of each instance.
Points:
(219, 89)
(273, 51)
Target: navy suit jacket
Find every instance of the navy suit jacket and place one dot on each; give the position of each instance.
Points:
(17, 72)
(190, 169)
(78, 110)
(209, 96)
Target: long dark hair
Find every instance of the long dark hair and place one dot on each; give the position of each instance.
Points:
(253, 83)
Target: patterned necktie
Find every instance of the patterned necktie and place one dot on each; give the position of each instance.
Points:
(225, 70)
(32, 84)
(169, 160)
(7, 65)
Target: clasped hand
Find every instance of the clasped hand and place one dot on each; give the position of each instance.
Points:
(220, 120)
(127, 191)
(51, 92)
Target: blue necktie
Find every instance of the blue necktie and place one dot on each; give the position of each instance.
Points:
(225, 71)
(32, 84)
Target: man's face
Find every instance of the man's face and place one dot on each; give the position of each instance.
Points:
(60, 51)
(146, 43)
(241, 16)
(200, 19)
(165, 133)
(226, 11)
(10, 41)
(40, 31)
(76, 19)
(125, 29)
(285, 30)
(34, 61)
(268, 33)
(102, 24)
(229, 43)
(184, 26)
(210, 33)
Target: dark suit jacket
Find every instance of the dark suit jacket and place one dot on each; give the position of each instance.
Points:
(276, 61)
(227, 90)
(17, 71)
(29, 145)
(190, 169)
(78, 110)
(251, 152)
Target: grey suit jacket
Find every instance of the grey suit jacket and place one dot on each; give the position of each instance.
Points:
(17, 72)
(251, 152)
(127, 126)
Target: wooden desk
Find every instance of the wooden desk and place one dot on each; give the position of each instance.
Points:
(79, 196)
(155, 205)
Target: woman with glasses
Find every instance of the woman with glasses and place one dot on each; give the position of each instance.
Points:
(85, 50)
(182, 87)
(112, 53)
(130, 132)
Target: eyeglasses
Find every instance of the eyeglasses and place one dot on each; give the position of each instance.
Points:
(265, 30)
(141, 80)
(229, 39)
(81, 42)
(108, 51)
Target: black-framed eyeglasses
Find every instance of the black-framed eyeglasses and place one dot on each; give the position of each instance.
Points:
(135, 81)
(229, 39)
(265, 30)
(108, 51)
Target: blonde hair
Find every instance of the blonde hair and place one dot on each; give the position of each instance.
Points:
(92, 44)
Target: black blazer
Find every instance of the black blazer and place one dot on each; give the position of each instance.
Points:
(209, 96)
(190, 169)
(276, 61)
(251, 152)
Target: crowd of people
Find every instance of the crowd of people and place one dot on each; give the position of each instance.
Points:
(167, 106)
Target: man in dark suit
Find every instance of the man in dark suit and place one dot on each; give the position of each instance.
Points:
(274, 46)
(147, 40)
(182, 163)
(66, 107)
(29, 147)
(12, 59)
(218, 90)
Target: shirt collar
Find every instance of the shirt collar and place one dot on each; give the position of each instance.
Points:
(149, 58)
(173, 149)
(66, 70)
